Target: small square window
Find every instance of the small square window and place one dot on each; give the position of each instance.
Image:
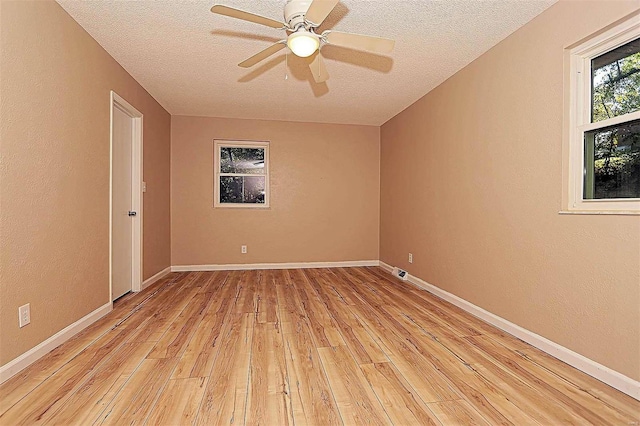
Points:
(241, 174)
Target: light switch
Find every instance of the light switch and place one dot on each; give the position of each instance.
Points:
(144, 186)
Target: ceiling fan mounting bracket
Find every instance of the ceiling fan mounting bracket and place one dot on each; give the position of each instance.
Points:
(294, 12)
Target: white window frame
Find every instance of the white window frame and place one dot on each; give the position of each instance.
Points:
(220, 143)
(580, 118)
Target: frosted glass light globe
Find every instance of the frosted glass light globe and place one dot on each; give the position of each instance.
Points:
(303, 43)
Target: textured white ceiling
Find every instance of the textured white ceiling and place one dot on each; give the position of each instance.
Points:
(187, 57)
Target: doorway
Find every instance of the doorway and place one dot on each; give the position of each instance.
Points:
(125, 257)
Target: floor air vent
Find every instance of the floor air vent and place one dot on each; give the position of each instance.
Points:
(400, 273)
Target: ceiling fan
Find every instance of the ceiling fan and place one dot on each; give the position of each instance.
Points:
(302, 18)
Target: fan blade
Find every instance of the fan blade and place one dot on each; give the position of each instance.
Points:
(246, 16)
(319, 10)
(360, 42)
(318, 69)
(263, 55)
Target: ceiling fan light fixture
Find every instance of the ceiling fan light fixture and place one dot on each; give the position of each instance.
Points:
(303, 43)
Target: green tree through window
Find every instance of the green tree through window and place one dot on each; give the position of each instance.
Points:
(612, 154)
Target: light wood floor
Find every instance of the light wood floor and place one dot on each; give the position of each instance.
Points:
(321, 346)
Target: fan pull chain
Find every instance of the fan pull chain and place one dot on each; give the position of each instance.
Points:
(286, 66)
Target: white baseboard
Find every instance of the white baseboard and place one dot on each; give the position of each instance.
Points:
(611, 377)
(251, 266)
(18, 364)
(146, 283)
(386, 267)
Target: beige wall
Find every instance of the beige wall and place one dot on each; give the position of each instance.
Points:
(324, 194)
(55, 82)
(471, 184)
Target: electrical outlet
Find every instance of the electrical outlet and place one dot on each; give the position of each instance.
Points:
(24, 314)
(243, 249)
(410, 257)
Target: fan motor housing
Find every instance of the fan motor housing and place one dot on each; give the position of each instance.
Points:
(294, 12)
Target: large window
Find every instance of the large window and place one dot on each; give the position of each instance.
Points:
(604, 175)
(241, 174)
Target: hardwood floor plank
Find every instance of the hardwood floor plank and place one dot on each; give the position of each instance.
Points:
(457, 316)
(162, 311)
(269, 399)
(400, 401)
(25, 382)
(572, 398)
(175, 338)
(199, 355)
(354, 397)
(361, 345)
(538, 404)
(30, 378)
(225, 396)
(134, 402)
(311, 398)
(246, 291)
(348, 281)
(288, 306)
(420, 373)
(397, 291)
(604, 393)
(85, 404)
(334, 286)
(429, 326)
(213, 281)
(266, 299)
(457, 413)
(323, 327)
(484, 396)
(45, 399)
(178, 402)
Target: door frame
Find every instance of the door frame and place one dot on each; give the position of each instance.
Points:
(117, 101)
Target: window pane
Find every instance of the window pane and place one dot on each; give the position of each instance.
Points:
(242, 190)
(612, 162)
(615, 78)
(242, 160)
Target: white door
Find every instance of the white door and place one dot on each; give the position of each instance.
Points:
(122, 238)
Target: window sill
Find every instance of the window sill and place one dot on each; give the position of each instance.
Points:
(241, 206)
(601, 212)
